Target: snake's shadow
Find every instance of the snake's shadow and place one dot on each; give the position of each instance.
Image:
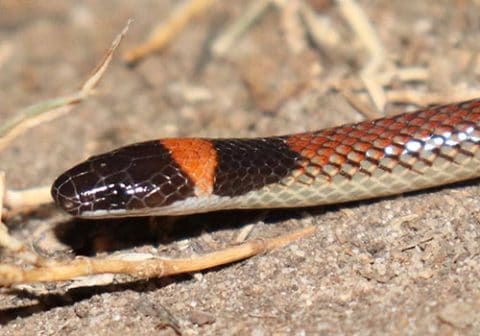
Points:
(89, 237)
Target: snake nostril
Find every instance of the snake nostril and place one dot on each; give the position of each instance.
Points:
(67, 204)
(64, 194)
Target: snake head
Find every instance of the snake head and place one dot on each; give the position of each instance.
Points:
(94, 188)
(129, 181)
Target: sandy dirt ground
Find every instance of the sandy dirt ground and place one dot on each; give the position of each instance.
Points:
(400, 265)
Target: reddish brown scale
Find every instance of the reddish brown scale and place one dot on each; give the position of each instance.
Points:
(367, 138)
(350, 141)
(442, 129)
(385, 122)
(416, 122)
(377, 130)
(356, 157)
(382, 142)
(401, 139)
(343, 148)
(322, 155)
(418, 133)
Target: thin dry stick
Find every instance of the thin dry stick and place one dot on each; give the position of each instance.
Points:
(165, 32)
(27, 198)
(6, 51)
(424, 99)
(320, 30)
(10, 274)
(362, 27)
(292, 26)
(410, 74)
(407, 74)
(7, 241)
(357, 104)
(53, 108)
(224, 42)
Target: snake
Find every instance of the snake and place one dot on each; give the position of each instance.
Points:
(375, 158)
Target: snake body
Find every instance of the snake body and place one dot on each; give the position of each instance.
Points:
(374, 158)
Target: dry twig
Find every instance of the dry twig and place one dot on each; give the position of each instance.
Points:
(320, 29)
(6, 51)
(155, 267)
(362, 27)
(224, 42)
(425, 99)
(165, 32)
(7, 241)
(53, 108)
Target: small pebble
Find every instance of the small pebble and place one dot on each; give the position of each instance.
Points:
(200, 318)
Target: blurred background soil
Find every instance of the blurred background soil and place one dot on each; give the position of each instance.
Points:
(400, 265)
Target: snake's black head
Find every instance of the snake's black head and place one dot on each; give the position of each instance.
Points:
(94, 188)
(128, 181)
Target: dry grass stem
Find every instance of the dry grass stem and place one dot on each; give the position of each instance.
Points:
(424, 99)
(293, 27)
(47, 110)
(366, 33)
(165, 32)
(8, 242)
(243, 234)
(6, 51)
(143, 269)
(27, 198)
(320, 29)
(366, 111)
(225, 41)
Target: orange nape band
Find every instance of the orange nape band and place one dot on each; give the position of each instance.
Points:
(197, 158)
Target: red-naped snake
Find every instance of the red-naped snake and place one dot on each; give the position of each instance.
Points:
(374, 158)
